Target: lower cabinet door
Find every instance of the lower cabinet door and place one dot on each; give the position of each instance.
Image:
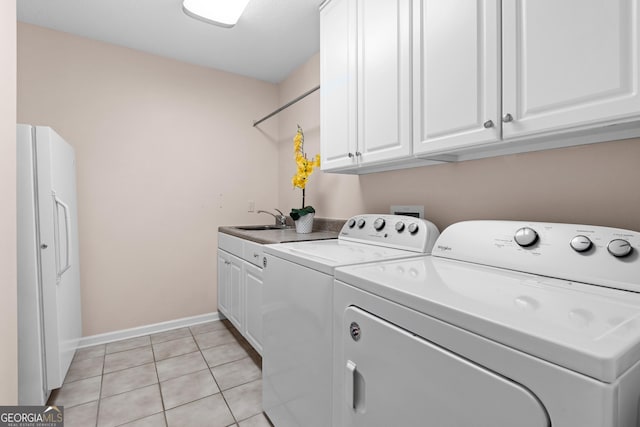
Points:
(236, 294)
(253, 298)
(394, 378)
(223, 283)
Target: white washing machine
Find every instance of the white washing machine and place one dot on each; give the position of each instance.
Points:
(297, 310)
(507, 324)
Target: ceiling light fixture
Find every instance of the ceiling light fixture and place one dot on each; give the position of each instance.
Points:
(224, 13)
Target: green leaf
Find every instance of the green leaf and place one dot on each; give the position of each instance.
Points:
(297, 213)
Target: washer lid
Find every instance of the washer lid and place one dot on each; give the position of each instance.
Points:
(589, 329)
(325, 255)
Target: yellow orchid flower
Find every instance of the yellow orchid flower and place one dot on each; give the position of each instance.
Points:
(300, 181)
(304, 166)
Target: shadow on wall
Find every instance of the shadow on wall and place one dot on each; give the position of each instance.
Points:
(273, 139)
(590, 184)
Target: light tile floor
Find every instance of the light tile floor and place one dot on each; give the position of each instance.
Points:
(205, 375)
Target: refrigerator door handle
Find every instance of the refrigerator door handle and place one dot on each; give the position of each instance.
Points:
(67, 222)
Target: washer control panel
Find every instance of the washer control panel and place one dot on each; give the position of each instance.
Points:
(582, 253)
(394, 231)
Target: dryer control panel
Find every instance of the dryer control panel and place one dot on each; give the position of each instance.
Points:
(393, 231)
(583, 253)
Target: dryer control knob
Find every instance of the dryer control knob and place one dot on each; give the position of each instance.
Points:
(378, 224)
(399, 226)
(526, 237)
(619, 248)
(413, 228)
(361, 223)
(581, 243)
(351, 223)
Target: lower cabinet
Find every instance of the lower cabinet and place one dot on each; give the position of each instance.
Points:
(240, 286)
(253, 301)
(223, 282)
(230, 299)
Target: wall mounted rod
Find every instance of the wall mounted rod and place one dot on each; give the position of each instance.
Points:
(287, 105)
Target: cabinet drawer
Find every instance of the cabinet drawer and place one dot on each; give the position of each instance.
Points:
(252, 253)
(230, 244)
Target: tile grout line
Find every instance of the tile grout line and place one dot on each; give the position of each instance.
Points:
(214, 379)
(126, 349)
(104, 360)
(224, 398)
(134, 389)
(127, 391)
(138, 388)
(155, 367)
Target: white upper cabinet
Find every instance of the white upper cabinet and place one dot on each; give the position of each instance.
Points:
(568, 64)
(496, 77)
(365, 73)
(338, 92)
(456, 74)
(407, 82)
(384, 80)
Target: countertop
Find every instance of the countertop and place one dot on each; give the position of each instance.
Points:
(323, 228)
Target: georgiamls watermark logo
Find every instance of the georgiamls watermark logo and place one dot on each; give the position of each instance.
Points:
(444, 248)
(31, 416)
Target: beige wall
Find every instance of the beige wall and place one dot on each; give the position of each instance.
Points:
(166, 153)
(591, 184)
(8, 280)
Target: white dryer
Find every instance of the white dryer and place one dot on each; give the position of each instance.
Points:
(508, 324)
(297, 309)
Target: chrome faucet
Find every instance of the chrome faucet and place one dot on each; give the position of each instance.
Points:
(281, 219)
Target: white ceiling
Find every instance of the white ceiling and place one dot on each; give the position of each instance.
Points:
(271, 39)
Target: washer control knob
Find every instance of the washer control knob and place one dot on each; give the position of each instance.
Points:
(581, 243)
(619, 248)
(378, 224)
(399, 226)
(361, 223)
(413, 228)
(526, 237)
(351, 223)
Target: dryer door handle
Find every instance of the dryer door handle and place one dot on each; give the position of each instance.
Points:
(349, 380)
(354, 387)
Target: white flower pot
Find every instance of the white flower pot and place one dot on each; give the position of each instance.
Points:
(304, 224)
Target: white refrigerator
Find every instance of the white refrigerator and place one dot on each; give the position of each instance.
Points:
(49, 314)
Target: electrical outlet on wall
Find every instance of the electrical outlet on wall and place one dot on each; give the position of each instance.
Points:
(252, 206)
(409, 210)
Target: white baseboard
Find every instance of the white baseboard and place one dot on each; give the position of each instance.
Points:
(148, 329)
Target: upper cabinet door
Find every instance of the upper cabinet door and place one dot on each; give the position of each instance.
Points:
(338, 102)
(569, 63)
(384, 80)
(456, 74)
